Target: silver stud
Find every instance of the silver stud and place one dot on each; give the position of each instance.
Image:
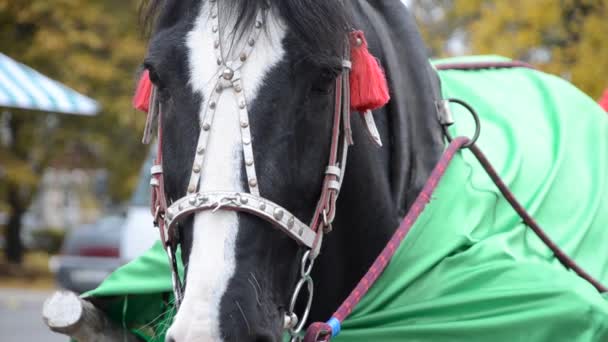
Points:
(246, 141)
(242, 104)
(219, 89)
(251, 42)
(244, 200)
(249, 162)
(278, 214)
(262, 206)
(228, 74)
(180, 207)
(291, 222)
(200, 150)
(214, 15)
(192, 201)
(238, 88)
(219, 61)
(196, 168)
(191, 188)
(244, 124)
(301, 231)
(258, 24)
(206, 126)
(243, 57)
(216, 44)
(214, 28)
(212, 105)
(253, 183)
(359, 42)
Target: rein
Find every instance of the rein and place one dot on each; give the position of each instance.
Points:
(325, 331)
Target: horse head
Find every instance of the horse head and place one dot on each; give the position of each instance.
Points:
(252, 99)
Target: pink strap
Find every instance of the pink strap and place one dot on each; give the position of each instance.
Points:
(317, 332)
(382, 260)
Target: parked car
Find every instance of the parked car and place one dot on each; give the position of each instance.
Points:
(89, 254)
(139, 233)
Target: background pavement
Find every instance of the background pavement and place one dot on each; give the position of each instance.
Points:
(21, 317)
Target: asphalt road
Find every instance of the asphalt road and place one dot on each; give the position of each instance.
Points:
(21, 319)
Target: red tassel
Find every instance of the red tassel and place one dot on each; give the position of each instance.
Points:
(368, 86)
(141, 100)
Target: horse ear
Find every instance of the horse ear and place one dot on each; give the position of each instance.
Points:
(141, 100)
(368, 85)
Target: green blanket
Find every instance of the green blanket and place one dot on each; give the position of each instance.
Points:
(469, 270)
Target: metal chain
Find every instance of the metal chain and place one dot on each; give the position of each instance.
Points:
(293, 325)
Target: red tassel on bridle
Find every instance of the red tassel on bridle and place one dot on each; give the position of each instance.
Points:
(368, 85)
(141, 100)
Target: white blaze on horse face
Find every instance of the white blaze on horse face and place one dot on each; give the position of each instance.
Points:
(212, 259)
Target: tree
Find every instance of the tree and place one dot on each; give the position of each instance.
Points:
(565, 37)
(94, 47)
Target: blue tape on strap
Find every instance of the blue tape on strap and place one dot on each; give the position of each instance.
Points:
(334, 323)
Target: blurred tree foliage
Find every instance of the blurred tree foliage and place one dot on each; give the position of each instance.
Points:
(93, 46)
(564, 37)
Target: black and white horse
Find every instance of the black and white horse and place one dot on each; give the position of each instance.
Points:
(240, 272)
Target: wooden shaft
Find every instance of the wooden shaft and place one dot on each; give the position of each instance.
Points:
(66, 313)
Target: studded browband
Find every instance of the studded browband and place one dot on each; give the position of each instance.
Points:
(166, 217)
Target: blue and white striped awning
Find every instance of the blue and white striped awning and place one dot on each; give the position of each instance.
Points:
(25, 88)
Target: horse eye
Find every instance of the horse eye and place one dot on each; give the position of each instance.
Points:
(154, 77)
(324, 82)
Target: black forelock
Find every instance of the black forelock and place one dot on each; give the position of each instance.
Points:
(321, 25)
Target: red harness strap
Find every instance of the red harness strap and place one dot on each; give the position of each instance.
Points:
(323, 332)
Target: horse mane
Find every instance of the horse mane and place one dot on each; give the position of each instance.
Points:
(321, 25)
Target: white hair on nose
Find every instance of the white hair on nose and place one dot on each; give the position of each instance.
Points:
(212, 258)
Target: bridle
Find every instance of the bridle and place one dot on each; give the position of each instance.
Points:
(308, 236)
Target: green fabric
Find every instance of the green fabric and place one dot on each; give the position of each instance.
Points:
(145, 275)
(138, 295)
(469, 270)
